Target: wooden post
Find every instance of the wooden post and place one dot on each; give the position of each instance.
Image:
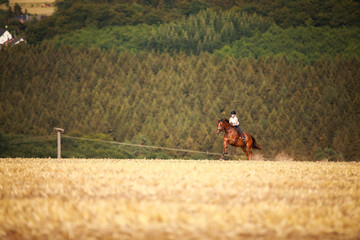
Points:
(59, 132)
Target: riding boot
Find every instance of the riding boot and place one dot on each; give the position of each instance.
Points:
(243, 137)
(241, 133)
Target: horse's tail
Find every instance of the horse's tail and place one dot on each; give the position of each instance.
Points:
(255, 145)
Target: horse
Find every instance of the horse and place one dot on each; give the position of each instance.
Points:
(231, 137)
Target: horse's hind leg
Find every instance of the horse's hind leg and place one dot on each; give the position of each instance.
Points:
(246, 152)
(248, 146)
(250, 154)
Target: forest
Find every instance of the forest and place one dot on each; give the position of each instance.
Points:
(163, 73)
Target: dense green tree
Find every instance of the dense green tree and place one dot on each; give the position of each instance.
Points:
(17, 10)
(304, 44)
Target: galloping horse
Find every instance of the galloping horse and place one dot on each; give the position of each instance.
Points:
(231, 137)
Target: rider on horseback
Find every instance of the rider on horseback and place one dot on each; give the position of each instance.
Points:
(234, 121)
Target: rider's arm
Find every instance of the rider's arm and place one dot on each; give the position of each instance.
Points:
(236, 121)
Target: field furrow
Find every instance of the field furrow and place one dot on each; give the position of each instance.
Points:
(178, 199)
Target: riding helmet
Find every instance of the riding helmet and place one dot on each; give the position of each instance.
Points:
(233, 112)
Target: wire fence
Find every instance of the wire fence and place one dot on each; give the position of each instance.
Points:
(53, 138)
(144, 146)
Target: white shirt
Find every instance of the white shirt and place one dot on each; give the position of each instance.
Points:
(234, 121)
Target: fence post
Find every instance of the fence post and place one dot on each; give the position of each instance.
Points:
(59, 132)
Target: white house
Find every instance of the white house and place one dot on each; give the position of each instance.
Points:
(5, 36)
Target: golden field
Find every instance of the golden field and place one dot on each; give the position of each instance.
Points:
(178, 199)
(33, 6)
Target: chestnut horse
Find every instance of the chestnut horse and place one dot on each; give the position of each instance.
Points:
(231, 137)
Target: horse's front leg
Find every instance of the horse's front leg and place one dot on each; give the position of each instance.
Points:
(226, 145)
(225, 149)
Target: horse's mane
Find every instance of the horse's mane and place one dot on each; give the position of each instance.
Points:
(224, 119)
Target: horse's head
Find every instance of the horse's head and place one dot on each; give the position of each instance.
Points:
(222, 125)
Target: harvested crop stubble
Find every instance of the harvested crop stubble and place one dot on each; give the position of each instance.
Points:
(33, 6)
(178, 199)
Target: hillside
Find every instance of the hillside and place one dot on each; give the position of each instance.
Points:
(175, 101)
(228, 34)
(76, 14)
(161, 73)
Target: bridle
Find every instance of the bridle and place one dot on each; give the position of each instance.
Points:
(220, 130)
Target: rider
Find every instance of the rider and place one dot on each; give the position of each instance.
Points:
(234, 121)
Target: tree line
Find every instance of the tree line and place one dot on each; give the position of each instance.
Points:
(230, 33)
(74, 15)
(203, 32)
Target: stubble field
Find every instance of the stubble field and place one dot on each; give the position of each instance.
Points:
(178, 199)
(33, 6)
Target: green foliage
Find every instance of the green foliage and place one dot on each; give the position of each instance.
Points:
(304, 44)
(333, 13)
(80, 15)
(3, 18)
(205, 31)
(175, 101)
(224, 33)
(327, 154)
(26, 146)
(99, 148)
(17, 10)
(73, 15)
(130, 38)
